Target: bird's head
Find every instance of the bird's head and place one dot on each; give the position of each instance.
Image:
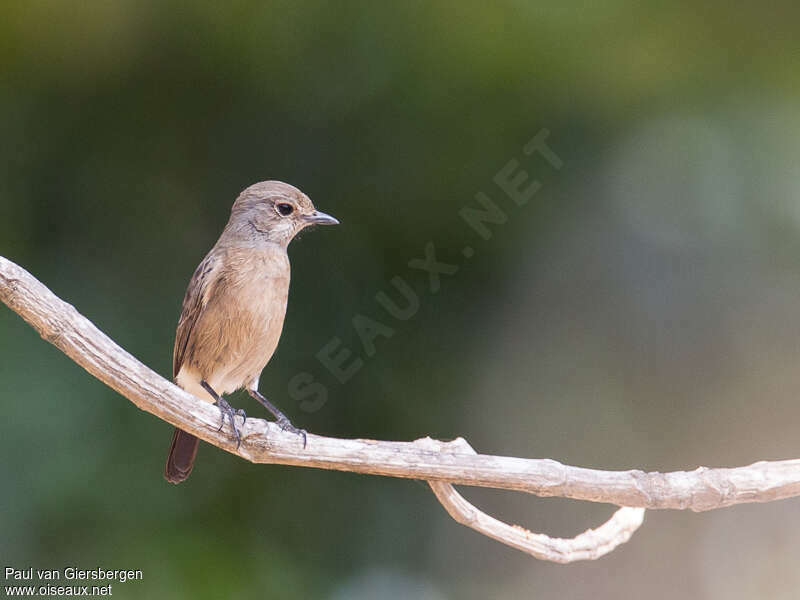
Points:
(275, 211)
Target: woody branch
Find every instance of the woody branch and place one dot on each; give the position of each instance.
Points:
(442, 464)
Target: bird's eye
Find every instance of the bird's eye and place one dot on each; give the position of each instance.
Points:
(285, 209)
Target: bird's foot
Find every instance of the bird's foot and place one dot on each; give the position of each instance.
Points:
(286, 425)
(226, 410)
(280, 418)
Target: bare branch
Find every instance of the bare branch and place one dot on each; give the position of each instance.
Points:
(589, 545)
(434, 461)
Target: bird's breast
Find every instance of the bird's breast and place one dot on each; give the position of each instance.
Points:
(240, 326)
(257, 296)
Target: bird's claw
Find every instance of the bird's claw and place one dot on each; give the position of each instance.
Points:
(226, 410)
(286, 425)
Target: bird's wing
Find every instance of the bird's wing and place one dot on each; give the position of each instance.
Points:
(196, 298)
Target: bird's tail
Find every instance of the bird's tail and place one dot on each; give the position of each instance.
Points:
(180, 459)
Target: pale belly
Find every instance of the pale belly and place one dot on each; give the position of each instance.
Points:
(236, 335)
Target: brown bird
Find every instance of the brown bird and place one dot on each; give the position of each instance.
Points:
(233, 311)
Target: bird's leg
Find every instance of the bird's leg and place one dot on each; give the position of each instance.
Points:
(226, 409)
(280, 418)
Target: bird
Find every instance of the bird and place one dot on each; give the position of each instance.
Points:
(234, 307)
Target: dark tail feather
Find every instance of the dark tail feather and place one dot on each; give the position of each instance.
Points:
(180, 459)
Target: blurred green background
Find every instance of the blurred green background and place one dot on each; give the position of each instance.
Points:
(640, 311)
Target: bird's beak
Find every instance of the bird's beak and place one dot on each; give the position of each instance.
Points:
(320, 218)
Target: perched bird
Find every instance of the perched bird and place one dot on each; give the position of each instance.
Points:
(233, 311)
